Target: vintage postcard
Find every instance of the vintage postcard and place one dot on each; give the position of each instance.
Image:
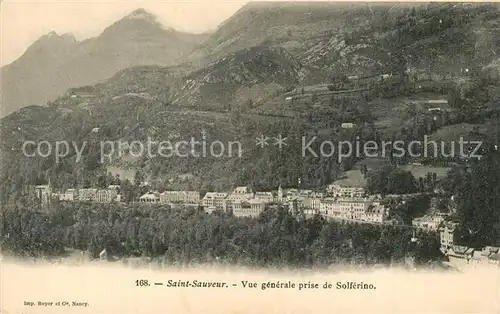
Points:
(243, 157)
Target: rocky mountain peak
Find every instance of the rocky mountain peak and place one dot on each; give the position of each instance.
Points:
(50, 43)
(138, 22)
(141, 14)
(54, 36)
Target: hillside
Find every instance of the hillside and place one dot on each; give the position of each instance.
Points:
(289, 25)
(55, 62)
(258, 84)
(362, 39)
(218, 84)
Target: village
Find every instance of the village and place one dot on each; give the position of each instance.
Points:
(340, 202)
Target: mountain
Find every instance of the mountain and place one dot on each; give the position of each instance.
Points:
(219, 84)
(293, 26)
(356, 38)
(252, 82)
(55, 62)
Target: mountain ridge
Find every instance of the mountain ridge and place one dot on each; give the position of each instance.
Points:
(54, 63)
(266, 88)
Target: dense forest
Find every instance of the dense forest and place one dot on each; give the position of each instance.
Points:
(477, 194)
(186, 236)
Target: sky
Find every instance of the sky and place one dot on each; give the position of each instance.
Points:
(23, 22)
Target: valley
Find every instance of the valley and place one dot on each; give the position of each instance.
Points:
(353, 73)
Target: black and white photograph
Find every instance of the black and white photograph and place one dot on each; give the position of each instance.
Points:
(221, 157)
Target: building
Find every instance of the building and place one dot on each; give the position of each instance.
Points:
(267, 197)
(338, 190)
(241, 193)
(68, 195)
(250, 208)
(243, 190)
(438, 101)
(366, 209)
(430, 222)
(111, 194)
(304, 193)
(44, 194)
(447, 235)
(106, 195)
(491, 255)
(309, 212)
(182, 197)
(103, 255)
(317, 195)
(87, 194)
(350, 208)
(327, 206)
(291, 194)
(214, 200)
(376, 213)
(150, 198)
(347, 125)
(311, 203)
(461, 256)
(241, 208)
(280, 194)
(458, 254)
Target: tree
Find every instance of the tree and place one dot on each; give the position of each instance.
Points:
(477, 199)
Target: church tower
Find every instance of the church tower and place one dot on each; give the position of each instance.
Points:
(280, 194)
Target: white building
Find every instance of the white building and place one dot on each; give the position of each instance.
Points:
(251, 208)
(347, 125)
(311, 203)
(447, 235)
(491, 254)
(362, 209)
(376, 213)
(68, 195)
(106, 195)
(350, 208)
(243, 190)
(44, 194)
(241, 193)
(183, 197)
(214, 200)
(267, 197)
(280, 196)
(438, 101)
(310, 211)
(150, 198)
(338, 190)
(327, 206)
(318, 195)
(87, 194)
(111, 194)
(291, 194)
(430, 222)
(434, 109)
